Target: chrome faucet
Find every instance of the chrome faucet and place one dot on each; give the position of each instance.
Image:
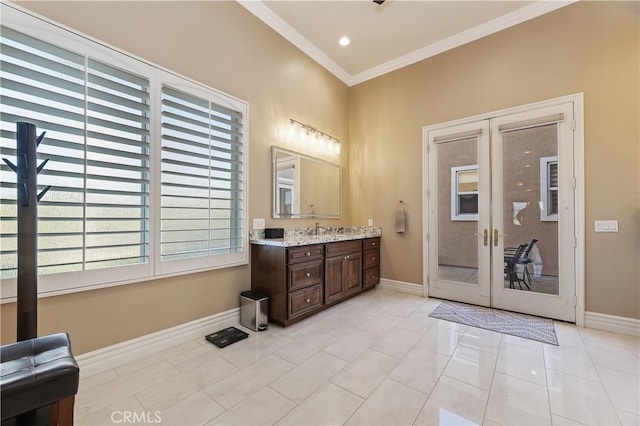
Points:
(319, 228)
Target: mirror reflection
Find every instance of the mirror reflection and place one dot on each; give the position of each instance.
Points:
(304, 186)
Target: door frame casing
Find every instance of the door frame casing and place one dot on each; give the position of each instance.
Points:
(579, 204)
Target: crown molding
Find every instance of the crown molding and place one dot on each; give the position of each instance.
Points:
(266, 15)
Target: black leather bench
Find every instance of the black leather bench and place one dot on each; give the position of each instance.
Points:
(36, 373)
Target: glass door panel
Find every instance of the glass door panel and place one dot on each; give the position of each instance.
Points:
(458, 211)
(459, 245)
(532, 208)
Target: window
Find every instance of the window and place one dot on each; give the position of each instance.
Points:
(202, 179)
(144, 197)
(549, 188)
(464, 193)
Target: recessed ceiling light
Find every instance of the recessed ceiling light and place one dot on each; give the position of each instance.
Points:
(344, 41)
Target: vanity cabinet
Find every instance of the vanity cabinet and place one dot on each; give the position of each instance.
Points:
(343, 269)
(371, 249)
(303, 280)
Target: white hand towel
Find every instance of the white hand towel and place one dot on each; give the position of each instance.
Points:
(400, 221)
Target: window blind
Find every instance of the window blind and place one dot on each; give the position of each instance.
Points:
(97, 122)
(534, 122)
(552, 186)
(458, 136)
(117, 167)
(201, 177)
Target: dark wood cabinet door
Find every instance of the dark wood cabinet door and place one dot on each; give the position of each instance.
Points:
(343, 276)
(333, 289)
(352, 272)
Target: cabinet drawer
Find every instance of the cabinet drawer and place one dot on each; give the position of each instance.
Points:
(371, 243)
(343, 247)
(304, 253)
(371, 258)
(305, 300)
(371, 276)
(305, 274)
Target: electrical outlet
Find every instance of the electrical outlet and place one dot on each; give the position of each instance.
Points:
(258, 223)
(370, 222)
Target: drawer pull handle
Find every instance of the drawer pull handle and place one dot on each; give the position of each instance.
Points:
(373, 258)
(373, 244)
(307, 253)
(307, 300)
(308, 274)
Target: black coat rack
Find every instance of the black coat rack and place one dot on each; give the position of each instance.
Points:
(27, 186)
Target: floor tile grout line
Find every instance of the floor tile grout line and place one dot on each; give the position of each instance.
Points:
(595, 366)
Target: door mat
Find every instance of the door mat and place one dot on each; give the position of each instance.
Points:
(226, 337)
(525, 326)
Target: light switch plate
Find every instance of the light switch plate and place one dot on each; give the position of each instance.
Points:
(606, 225)
(258, 223)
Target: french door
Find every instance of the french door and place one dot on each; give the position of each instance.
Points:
(496, 184)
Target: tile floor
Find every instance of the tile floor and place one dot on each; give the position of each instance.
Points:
(377, 359)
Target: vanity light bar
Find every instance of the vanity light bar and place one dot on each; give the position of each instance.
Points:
(317, 134)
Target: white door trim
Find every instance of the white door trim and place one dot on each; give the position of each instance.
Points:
(578, 157)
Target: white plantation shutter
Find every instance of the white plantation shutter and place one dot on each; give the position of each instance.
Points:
(117, 180)
(44, 85)
(147, 168)
(202, 178)
(96, 119)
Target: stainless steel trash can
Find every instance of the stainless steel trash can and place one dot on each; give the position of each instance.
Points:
(254, 310)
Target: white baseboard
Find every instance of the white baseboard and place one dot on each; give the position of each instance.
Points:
(103, 359)
(401, 286)
(621, 325)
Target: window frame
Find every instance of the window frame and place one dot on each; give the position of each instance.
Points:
(41, 28)
(455, 195)
(546, 189)
(211, 262)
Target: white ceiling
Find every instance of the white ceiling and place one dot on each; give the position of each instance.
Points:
(388, 36)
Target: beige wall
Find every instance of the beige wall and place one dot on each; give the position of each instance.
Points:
(224, 46)
(586, 47)
(589, 47)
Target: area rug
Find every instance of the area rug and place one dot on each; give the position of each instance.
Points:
(525, 326)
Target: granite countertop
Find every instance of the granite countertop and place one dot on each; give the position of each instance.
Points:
(306, 236)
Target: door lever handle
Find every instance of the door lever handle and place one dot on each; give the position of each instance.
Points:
(496, 235)
(485, 237)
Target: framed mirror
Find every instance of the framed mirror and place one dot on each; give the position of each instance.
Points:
(305, 186)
